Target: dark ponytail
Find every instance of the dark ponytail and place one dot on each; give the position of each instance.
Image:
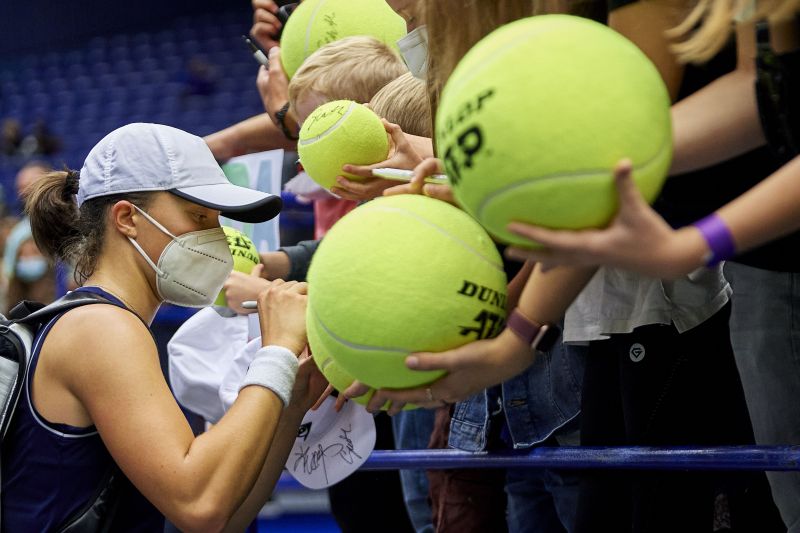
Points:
(64, 232)
(54, 213)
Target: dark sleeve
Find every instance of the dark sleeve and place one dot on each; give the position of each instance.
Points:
(299, 258)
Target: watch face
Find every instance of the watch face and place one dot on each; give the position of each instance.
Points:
(550, 337)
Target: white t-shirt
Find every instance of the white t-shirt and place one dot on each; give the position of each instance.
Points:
(618, 301)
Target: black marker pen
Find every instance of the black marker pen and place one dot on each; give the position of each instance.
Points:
(257, 53)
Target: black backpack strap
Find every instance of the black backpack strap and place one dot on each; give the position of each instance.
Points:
(23, 309)
(69, 301)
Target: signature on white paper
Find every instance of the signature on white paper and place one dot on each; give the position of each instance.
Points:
(309, 459)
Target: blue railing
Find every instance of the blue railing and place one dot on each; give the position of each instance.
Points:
(773, 458)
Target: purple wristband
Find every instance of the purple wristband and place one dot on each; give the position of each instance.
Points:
(718, 237)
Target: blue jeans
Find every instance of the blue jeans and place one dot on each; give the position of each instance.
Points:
(412, 431)
(536, 404)
(765, 334)
(543, 500)
(538, 407)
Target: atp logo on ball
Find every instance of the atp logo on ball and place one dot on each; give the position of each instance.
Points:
(488, 323)
(460, 151)
(241, 246)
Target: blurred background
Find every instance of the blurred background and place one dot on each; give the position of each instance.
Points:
(70, 72)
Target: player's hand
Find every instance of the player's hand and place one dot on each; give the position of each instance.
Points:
(310, 385)
(282, 315)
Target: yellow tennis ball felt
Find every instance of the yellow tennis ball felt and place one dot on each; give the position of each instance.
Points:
(332, 371)
(316, 23)
(245, 255)
(534, 118)
(338, 133)
(397, 275)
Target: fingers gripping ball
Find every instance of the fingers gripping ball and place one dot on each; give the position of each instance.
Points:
(338, 133)
(534, 118)
(397, 275)
(245, 256)
(316, 23)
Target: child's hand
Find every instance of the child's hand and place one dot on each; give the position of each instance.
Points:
(401, 154)
(240, 287)
(428, 167)
(359, 191)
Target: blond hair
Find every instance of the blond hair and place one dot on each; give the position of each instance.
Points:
(353, 68)
(404, 101)
(709, 25)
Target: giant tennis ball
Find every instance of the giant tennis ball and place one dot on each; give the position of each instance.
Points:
(338, 133)
(534, 118)
(332, 371)
(316, 23)
(245, 256)
(398, 275)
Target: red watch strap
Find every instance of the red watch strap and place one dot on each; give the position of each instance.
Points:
(530, 332)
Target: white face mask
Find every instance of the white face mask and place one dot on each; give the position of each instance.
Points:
(192, 268)
(414, 48)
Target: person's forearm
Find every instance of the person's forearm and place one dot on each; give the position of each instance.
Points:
(255, 134)
(767, 211)
(423, 146)
(285, 436)
(547, 295)
(294, 265)
(717, 123)
(516, 285)
(720, 121)
(222, 465)
(277, 265)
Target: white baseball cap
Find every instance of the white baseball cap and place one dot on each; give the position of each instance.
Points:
(152, 157)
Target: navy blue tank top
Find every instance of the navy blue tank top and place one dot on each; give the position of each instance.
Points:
(50, 471)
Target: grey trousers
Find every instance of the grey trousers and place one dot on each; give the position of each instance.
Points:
(765, 334)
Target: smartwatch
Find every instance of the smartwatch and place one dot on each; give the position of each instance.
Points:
(539, 336)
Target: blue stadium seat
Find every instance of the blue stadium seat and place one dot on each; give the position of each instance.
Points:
(85, 92)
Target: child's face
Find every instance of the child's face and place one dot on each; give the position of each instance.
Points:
(307, 103)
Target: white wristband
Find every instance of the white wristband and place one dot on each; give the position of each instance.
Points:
(274, 368)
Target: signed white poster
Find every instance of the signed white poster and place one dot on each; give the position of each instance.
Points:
(330, 446)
